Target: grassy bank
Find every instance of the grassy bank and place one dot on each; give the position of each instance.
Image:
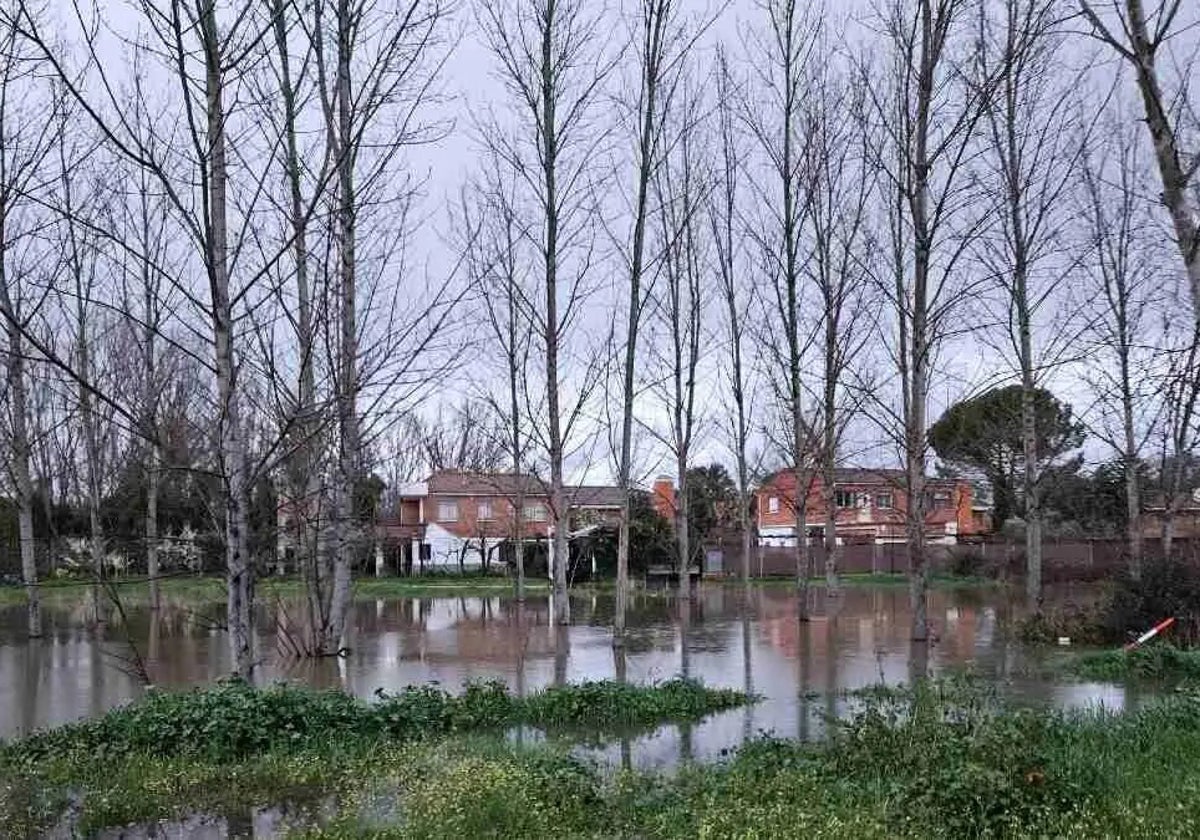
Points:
(943, 761)
(210, 589)
(1163, 662)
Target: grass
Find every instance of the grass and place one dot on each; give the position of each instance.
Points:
(210, 589)
(1151, 662)
(229, 747)
(944, 760)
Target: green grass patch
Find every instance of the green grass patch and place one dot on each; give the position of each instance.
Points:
(942, 760)
(1152, 662)
(233, 720)
(210, 589)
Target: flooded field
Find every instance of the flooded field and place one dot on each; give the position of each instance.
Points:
(724, 637)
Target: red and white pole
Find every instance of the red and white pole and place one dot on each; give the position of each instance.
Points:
(1151, 633)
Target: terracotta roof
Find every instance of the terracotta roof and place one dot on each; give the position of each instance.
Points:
(595, 496)
(463, 483)
(508, 485)
(866, 475)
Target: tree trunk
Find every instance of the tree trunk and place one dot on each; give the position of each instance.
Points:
(150, 421)
(1133, 496)
(19, 446)
(1176, 177)
(683, 533)
(918, 353)
(302, 506)
(558, 497)
(349, 467)
(833, 548)
(652, 25)
(803, 555)
(239, 569)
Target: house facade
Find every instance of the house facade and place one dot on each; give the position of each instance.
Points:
(871, 506)
(464, 519)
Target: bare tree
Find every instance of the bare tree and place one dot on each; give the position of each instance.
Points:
(1149, 36)
(786, 44)
(682, 183)
(1120, 263)
(1031, 151)
(658, 64)
(499, 269)
(737, 294)
(1180, 430)
(80, 258)
(842, 185)
(924, 117)
(27, 128)
(206, 48)
(551, 68)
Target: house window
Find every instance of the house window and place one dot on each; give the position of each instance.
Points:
(773, 504)
(448, 511)
(884, 501)
(844, 498)
(485, 511)
(939, 500)
(535, 513)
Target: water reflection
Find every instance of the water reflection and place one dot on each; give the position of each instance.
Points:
(725, 635)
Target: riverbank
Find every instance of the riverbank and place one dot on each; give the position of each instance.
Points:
(943, 761)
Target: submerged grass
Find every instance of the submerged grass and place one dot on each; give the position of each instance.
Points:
(943, 760)
(234, 720)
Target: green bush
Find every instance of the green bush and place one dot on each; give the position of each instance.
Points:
(1152, 662)
(1166, 587)
(233, 720)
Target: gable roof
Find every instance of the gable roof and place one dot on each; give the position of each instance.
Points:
(509, 484)
(466, 483)
(880, 476)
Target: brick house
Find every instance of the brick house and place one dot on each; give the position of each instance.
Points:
(465, 518)
(871, 508)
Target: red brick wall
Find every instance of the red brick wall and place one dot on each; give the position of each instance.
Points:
(885, 521)
(468, 525)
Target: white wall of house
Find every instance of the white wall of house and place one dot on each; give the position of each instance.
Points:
(446, 548)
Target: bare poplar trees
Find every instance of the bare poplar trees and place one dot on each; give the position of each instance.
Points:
(26, 143)
(786, 44)
(657, 74)
(552, 66)
(1031, 131)
(924, 115)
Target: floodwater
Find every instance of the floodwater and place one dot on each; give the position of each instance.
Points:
(723, 636)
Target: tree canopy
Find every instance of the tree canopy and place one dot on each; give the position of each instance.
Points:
(983, 435)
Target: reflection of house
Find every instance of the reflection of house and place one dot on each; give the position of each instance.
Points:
(871, 507)
(466, 518)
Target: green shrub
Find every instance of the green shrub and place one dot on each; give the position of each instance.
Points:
(1166, 587)
(233, 720)
(1152, 662)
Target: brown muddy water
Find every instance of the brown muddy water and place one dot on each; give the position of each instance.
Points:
(723, 636)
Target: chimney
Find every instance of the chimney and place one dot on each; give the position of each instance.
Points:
(663, 496)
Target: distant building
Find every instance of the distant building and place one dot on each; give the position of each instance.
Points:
(871, 508)
(457, 518)
(1186, 517)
